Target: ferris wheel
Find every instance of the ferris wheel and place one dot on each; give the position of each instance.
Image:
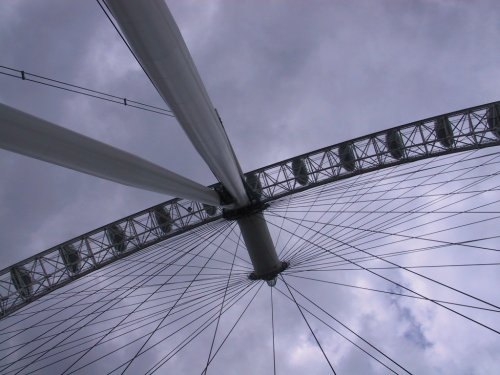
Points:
(220, 274)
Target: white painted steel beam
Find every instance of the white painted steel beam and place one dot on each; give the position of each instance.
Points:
(157, 42)
(31, 136)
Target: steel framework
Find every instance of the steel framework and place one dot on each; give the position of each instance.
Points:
(34, 277)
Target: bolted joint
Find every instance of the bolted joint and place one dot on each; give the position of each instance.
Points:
(269, 276)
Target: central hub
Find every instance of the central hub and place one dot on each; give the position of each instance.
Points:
(270, 277)
(258, 241)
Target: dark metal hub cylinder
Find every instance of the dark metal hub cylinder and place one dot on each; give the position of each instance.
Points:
(260, 246)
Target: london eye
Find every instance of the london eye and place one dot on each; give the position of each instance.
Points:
(374, 253)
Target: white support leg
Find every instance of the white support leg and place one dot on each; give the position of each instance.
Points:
(154, 37)
(31, 136)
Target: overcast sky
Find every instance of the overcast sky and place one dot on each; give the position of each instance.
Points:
(286, 77)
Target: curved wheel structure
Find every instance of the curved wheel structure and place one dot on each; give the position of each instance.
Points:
(48, 270)
(403, 218)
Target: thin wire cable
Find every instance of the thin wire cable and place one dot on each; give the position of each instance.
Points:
(200, 329)
(379, 197)
(232, 328)
(308, 325)
(220, 312)
(102, 333)
(290, 274)
(107, 12)
(69, 87)
(52, 347)
(351, 239)
(243, 287)
(84, 284)
(217, 234)
(347, 338)
(413, 291)
(272, 326)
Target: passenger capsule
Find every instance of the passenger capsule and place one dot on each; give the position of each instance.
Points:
(395, 144)
(299, 170)
(71, 258)
(493, 118)
(347, 158)
(22, 281)
(116, 237)
(163, 219)
(444, 131)
(254, 183)
(210, 210)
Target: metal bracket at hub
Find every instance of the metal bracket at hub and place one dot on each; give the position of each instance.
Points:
(270, 276)
(238, 213)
